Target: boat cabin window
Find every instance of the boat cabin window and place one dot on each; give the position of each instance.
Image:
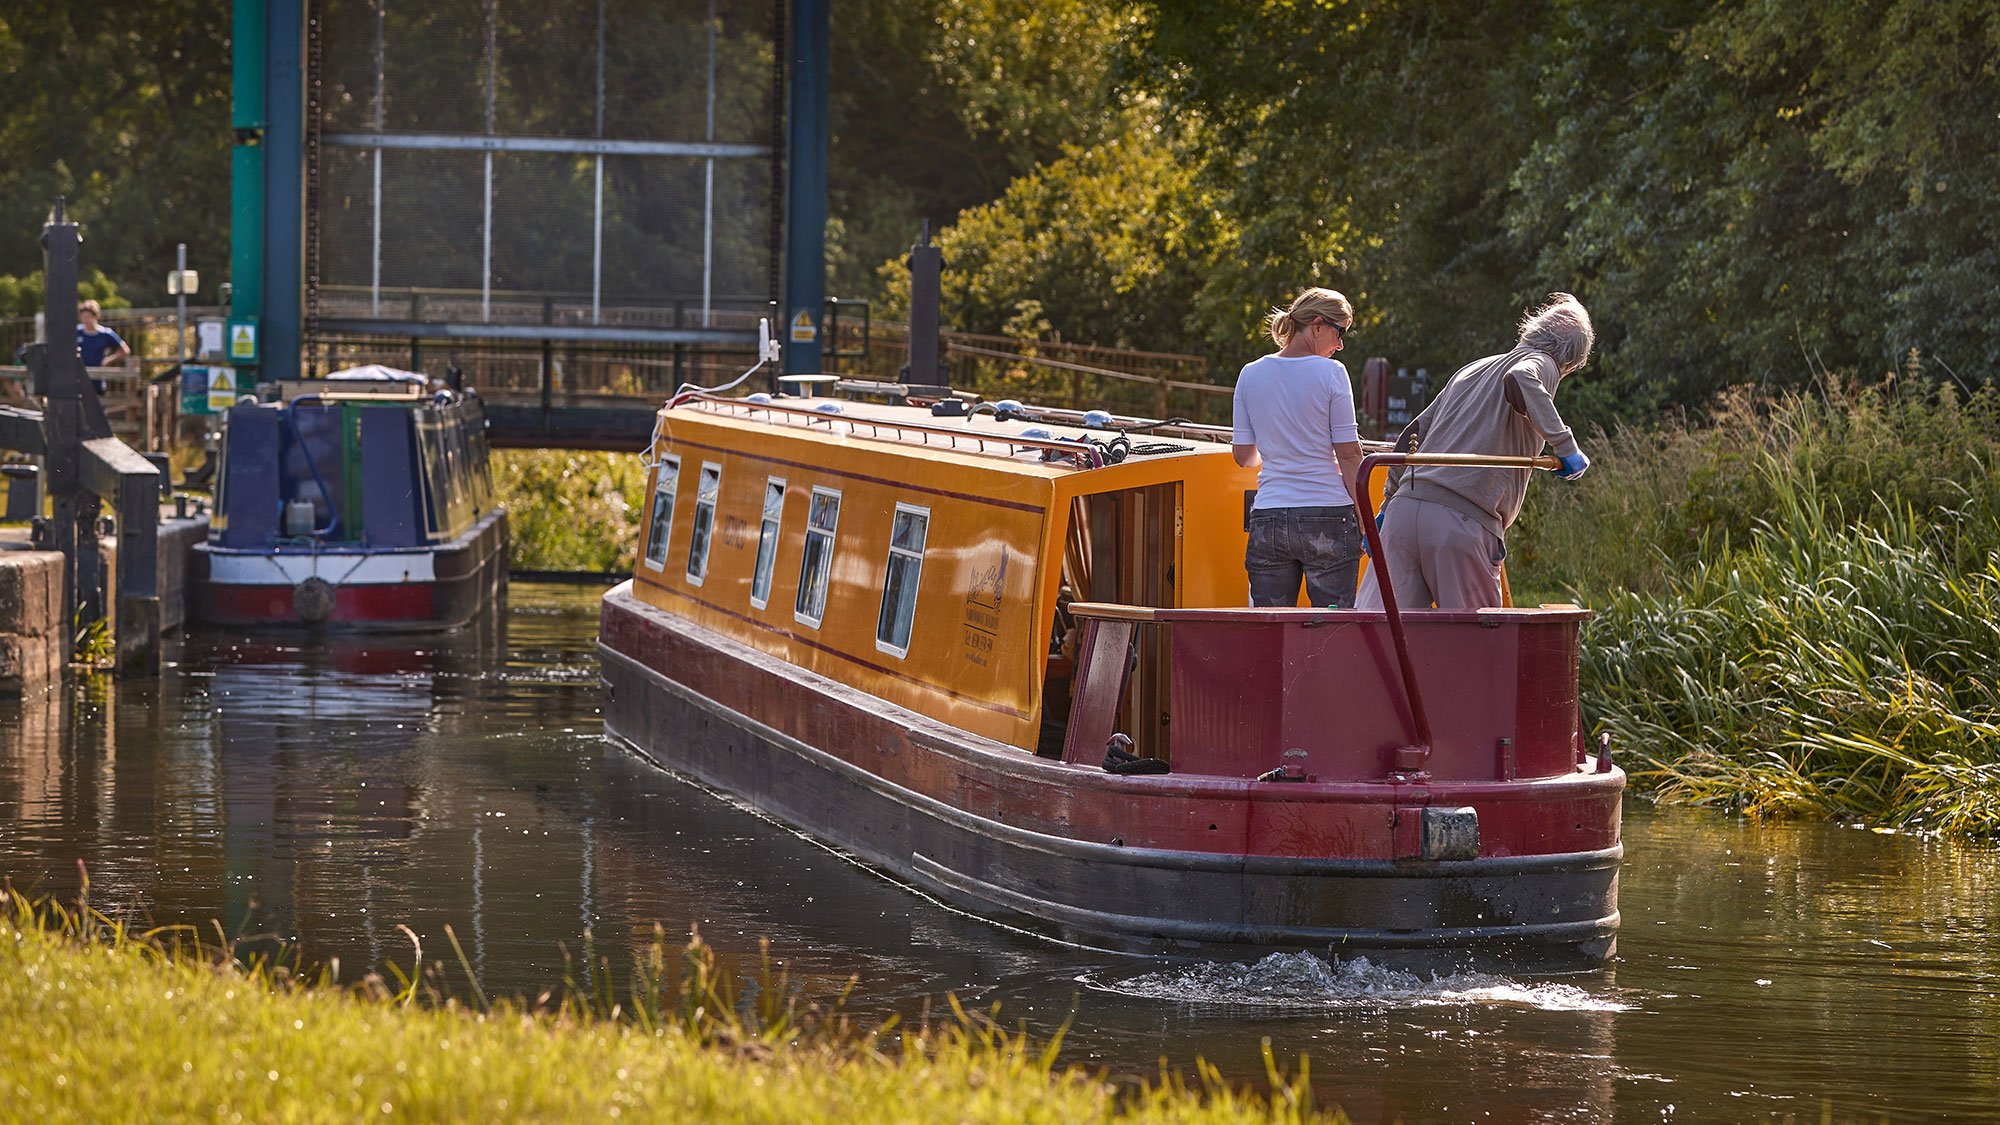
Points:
(767, 542)
(661, 522)
(816, 565)
(899, 582)
(704, 521)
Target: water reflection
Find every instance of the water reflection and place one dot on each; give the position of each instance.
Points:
(330, 792)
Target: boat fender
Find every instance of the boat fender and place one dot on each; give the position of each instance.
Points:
(313, 600)
(1118, 758)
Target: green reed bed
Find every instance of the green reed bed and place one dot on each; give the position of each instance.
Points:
(108, 1025)
(571, 510)
(1798, 604)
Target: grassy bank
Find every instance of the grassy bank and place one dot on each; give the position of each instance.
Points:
(571, 510)
(1798, 603)
(111, 1027)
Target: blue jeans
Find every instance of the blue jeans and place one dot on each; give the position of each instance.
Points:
(1320, 545)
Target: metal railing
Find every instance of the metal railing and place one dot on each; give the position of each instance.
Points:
(1364, 507)
(1083, 454)
(1110, 653)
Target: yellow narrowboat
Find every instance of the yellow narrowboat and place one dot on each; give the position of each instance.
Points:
(1008, 658)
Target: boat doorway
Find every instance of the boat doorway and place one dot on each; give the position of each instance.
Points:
(1124, 548)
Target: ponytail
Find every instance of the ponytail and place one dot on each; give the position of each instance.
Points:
(1313, 304)
(1281, 325)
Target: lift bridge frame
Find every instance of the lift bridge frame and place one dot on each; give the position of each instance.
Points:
(271, 212)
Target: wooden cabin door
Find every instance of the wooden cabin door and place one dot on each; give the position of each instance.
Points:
(1134, 548)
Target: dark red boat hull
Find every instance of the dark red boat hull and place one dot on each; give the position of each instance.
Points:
(1133, 863)
(466, 575)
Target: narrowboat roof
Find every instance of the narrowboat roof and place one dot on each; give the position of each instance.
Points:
(1048, 445)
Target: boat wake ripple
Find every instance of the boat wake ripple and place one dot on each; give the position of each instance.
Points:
(1303, 981)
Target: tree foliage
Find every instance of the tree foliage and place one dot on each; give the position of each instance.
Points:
(1744, 192)
(1109, 244)
(937, 106)
(122, 106)
(23, 296)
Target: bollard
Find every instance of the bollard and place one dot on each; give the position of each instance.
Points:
(24, 491)
(159, 461)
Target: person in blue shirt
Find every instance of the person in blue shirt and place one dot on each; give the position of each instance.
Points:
(99, 346)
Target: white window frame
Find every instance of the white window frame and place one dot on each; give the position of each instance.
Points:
(664, 544)
(776, 534)
(916, 580)
(805, 549)
(695, 536)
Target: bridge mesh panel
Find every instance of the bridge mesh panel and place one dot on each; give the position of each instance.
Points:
(431, 64)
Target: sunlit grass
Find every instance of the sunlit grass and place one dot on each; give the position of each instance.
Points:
(106, 1025)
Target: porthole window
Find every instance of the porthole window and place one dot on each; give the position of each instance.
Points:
(767, 542)
(661, 522)
(899, 581)
(705, 493)
(816, 564)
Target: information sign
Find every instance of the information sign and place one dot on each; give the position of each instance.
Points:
(194, 389)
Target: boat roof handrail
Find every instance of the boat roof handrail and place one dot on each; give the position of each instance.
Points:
(1083, 452)
(1132, 425)
(1290, 615)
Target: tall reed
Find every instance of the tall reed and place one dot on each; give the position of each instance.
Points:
(1798, 603)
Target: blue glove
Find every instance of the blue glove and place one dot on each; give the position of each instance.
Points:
(1573, 465)
(1367, 544)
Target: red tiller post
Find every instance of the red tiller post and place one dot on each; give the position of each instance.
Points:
(1364, 506)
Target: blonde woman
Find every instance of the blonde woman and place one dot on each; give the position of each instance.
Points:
(1294, 423)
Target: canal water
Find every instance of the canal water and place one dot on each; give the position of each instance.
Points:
(336, 792)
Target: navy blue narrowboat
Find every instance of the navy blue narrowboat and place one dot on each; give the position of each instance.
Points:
(363, 500)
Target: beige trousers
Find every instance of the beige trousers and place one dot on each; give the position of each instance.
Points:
(1437, 556)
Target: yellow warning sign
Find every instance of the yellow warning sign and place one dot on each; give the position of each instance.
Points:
(221, 389)
(242, 341)
(803, 331)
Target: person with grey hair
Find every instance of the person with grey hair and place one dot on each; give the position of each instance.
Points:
(1445, 534)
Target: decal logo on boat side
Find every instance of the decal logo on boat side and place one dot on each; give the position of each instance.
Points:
(982, 611)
